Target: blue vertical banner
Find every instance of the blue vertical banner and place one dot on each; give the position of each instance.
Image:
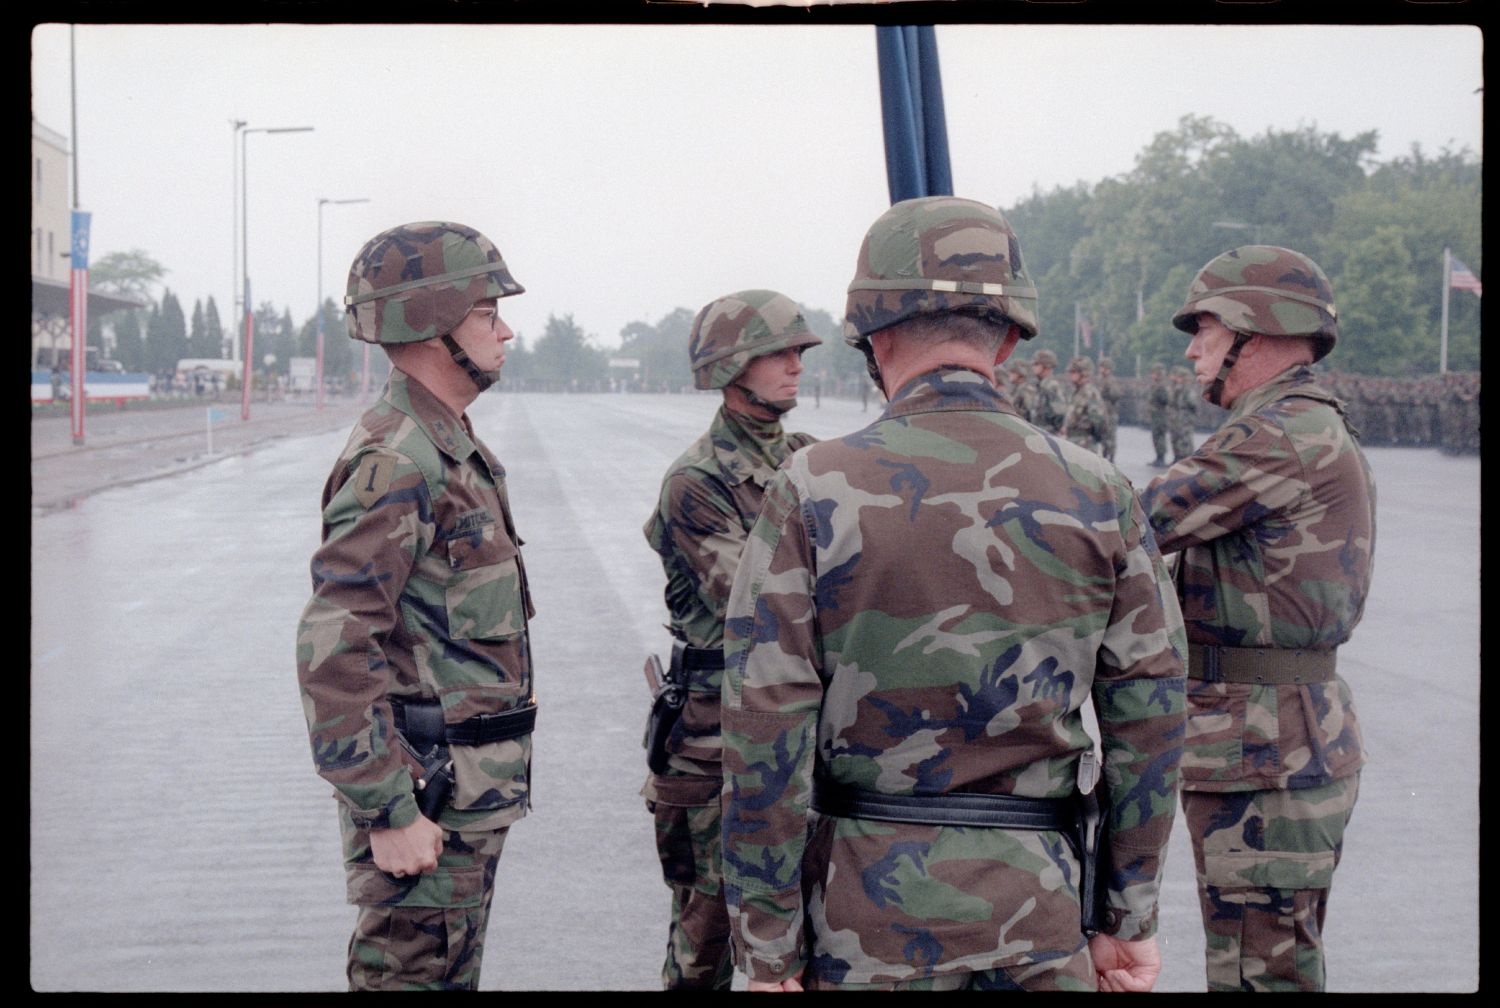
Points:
(911, 111)
(78, 312)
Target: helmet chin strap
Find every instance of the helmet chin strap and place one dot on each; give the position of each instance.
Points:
(1215, 391)
(778, 407)
(872, 367)
(482, 379)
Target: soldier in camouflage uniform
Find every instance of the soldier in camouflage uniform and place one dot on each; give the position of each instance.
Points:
(749, 345)
(1111, 392)
(1275, 519)
(921, 612)
(412, 653)
(1086, 417)
(1027, 391)
(1051, 406)
(1158, 405)
(1182, 413)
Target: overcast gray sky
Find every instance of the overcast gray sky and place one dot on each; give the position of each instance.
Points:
(628, 170)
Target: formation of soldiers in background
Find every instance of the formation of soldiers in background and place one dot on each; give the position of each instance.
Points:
(1428, 412)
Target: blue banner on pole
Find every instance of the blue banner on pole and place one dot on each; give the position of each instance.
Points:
(80, 241)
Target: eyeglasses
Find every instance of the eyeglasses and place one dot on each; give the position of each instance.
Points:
(490, 310)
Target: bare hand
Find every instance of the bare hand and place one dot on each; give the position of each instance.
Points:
(410, 850)
(1125, 965)
(790, 984)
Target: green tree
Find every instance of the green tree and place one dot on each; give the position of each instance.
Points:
(565, 359)
(132, 273)
(166, 334)
(130, 346)
(215, 344)
(1381, 331)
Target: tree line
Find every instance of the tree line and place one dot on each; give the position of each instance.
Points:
(1112, 261)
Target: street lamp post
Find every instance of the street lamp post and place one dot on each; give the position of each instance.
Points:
(249, 346)
(318, 373)
(235, 126)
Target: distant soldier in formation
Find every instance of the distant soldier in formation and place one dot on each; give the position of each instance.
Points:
(1158, 408)
(1274, 517)
(1112, 392)
(749, 346)
(1182, 413)
(1086, 418)
(1028, 392)
(1051, 405)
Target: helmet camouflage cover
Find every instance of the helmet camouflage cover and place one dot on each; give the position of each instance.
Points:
(731, 331)
(1082, 365)
(936, 254)
(1044, 357)
(1264, 289)
(417, 281)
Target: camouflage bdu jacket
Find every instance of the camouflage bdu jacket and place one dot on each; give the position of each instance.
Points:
(1275, 518)
(709, 499)
(418, 592)
(1051, 405)
(924, 607)
(1087, 419)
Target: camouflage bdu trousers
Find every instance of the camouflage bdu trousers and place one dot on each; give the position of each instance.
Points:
(1265, 862)
(687, 841)
(428, 935)
(1159, 437)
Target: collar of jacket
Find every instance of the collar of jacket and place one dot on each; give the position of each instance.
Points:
(947, 388)
(747, 448)
(448, 432)
(1297, 380)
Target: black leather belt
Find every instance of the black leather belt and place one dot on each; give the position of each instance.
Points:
(957, 809)
(421, 722)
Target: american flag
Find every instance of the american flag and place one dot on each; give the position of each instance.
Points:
(1460, 277)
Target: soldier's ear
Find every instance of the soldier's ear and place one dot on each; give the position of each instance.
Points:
(1008, 344)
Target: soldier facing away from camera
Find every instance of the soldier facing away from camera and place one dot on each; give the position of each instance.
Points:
(749, 346)
(1274, 517)
(413, 652)
(920, 615)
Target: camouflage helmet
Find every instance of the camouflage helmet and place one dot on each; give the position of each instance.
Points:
(1105, 364)
(417, 281)
(1082, 365)
(1181, 372)
(731, 331)
(1264, 289)
(936, 254)
(1045, 357)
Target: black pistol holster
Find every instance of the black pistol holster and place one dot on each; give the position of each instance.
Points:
(668, 695)
(1091, 844)
(421, 724)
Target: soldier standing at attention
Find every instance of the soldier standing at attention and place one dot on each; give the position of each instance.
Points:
(413, 651)
(1182, 413)
(1158, 405)
(1110, 392)
(1275, 519)
(921, 613)
(1026, 390)
(1051, 406)
(1084, 423)
(749, 345)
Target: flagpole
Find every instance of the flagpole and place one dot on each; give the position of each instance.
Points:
(1443, 332)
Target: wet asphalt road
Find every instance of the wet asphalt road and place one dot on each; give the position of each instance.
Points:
(180, 841)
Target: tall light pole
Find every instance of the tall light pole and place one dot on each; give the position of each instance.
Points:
(235, 125)
(318, 373)
(249, 346)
